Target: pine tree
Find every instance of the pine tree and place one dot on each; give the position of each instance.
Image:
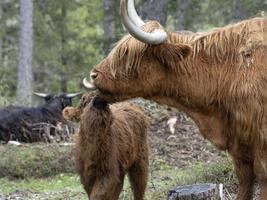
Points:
(25, 77)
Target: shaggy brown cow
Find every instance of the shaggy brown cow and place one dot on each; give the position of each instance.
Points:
(219, 78)
(112, 142)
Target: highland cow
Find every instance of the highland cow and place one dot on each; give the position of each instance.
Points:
(219, 78)
(112, 142)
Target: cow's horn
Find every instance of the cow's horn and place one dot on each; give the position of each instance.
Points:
(43, 95)
(133, 14)
(156, 37)
(88, 85)
(72, 95)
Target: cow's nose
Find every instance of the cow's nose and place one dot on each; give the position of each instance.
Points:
(93, 75)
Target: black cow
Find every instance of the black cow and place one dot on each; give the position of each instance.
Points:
(19, 124)
(5, 111)
(9, 109)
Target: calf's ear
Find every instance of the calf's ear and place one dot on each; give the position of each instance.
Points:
(171, 54)
(99, 103)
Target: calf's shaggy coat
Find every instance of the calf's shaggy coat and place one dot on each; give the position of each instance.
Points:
(74, 113)
(112, 142)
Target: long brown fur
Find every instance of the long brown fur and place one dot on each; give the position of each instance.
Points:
(219, 78)
(74, 113)
(112, 142)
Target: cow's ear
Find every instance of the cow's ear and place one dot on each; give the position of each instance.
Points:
(48, 97)
(171, 54)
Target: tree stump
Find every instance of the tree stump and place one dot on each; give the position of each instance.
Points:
(196, 192)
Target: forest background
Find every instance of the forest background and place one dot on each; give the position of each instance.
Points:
(50, 45)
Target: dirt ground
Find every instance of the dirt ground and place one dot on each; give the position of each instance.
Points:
(183, 147)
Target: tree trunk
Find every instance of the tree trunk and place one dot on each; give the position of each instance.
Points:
(155, 10)
(1, 35)
(109, 23)
(182, 7)
(63, 76)
(25, 77)
(239, 12)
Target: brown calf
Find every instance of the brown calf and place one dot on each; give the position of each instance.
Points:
(112, 142)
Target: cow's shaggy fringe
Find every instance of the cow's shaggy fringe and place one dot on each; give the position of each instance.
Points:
(131, 47)
(220, 44)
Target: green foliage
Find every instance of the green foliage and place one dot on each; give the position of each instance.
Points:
(66, 44)
(74, 36)
(69, 37)
(206, 14)
(4, 97)
(8, 48)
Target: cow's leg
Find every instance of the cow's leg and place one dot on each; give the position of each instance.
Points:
(263, 190)
(138, 175)
(246, 178)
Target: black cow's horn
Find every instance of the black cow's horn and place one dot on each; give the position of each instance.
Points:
(72, 95)
(43, 95)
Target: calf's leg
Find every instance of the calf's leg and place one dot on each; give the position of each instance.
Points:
(118, 188)
(138, 175)
(106, 189)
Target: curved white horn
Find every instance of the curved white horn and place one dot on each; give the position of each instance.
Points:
(133, 14)
(43, 95)
(88, 85)
(72, 95)
(154, 38)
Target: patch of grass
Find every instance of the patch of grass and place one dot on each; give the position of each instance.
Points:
(52, 184)
(35, 161)
(219, 172)
(47, 169)
(162, 178)
(64, 186)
